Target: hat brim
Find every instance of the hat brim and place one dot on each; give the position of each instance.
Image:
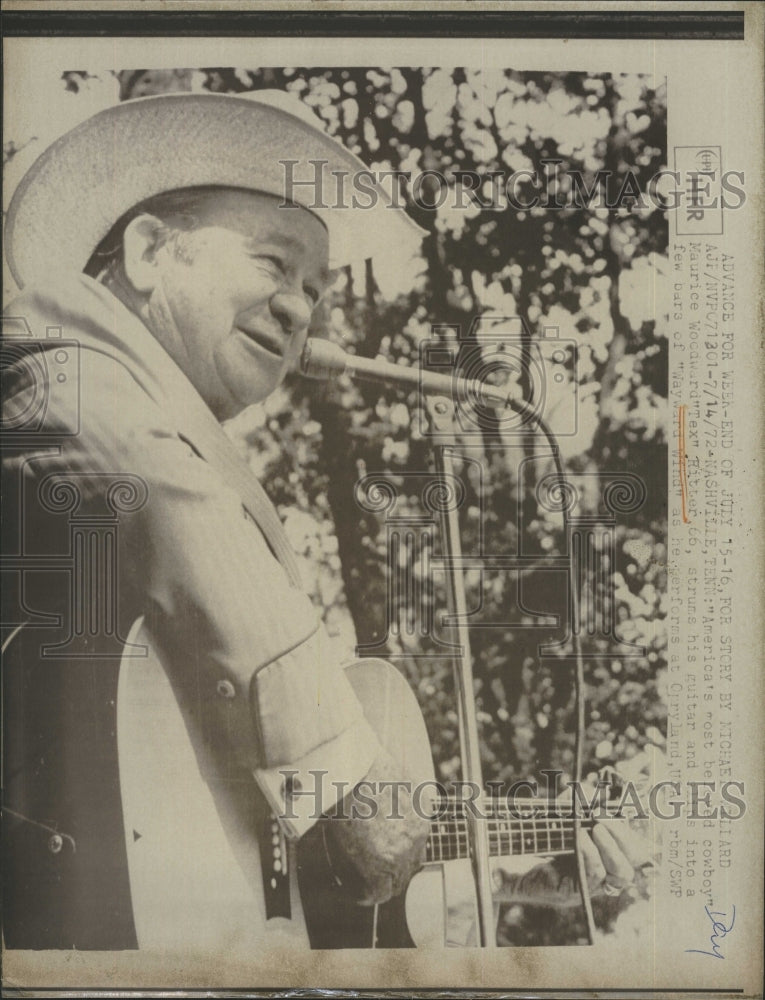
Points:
(77, 189)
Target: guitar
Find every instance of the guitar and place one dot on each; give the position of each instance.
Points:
(194, 859)
(191, 829)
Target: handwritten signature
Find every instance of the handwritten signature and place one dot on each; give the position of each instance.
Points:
(719, 931)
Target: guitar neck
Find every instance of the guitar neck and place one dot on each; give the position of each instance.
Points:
(541, 830)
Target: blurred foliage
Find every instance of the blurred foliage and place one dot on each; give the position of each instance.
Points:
(589, 274)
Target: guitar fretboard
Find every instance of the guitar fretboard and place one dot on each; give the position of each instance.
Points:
(538, 829)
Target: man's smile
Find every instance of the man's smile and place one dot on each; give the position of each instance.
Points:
(269, 341)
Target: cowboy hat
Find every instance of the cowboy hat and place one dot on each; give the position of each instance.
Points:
(270, 141)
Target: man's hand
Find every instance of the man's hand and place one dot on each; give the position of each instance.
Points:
(616, 857)
(375, 858)
(619, 854)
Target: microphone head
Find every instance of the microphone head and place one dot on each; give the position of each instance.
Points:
(322, 359)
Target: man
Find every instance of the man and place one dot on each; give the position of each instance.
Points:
(203, 304)
(128, 504)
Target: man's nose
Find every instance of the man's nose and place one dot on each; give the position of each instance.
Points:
(292, 311)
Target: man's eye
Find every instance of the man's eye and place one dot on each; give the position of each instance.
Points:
(276, 263)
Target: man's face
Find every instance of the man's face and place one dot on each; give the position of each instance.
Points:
(233, 297)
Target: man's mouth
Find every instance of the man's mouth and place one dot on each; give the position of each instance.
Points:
(270, 342)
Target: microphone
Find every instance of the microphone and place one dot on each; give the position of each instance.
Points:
(322, 359)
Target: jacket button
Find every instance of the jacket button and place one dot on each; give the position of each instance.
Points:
(291, 786)
(226, 689)
(56, 843)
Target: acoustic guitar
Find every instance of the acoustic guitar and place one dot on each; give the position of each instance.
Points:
(194, 857)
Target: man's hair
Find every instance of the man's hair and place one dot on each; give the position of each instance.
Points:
(179, 206)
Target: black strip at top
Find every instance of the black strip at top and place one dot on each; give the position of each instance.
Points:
(378, 24)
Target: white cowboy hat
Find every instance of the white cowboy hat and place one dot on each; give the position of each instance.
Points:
(77, 189)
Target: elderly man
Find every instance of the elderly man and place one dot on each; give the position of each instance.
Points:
(168, 284)
(199, 283)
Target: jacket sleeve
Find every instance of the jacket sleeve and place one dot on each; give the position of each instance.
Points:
(247, 648)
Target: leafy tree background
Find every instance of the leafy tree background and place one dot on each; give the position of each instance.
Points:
(592, 274)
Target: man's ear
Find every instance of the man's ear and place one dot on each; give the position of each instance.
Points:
(140, 242)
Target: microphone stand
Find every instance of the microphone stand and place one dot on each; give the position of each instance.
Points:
(441, 414)
(440, 410)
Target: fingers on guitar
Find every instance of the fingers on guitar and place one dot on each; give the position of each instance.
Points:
(593, 863)
(616, 863)
(635, 847)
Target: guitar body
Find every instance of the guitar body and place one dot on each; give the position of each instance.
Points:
(441, 906)
(193, 853)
